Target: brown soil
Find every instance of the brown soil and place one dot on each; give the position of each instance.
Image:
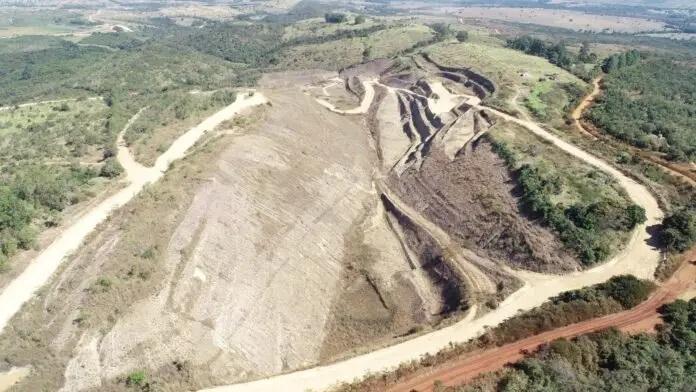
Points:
(473, 198)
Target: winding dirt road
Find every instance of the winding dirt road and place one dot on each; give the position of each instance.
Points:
(639, 258)
(40, 270)
(642, 318)
(685, 173)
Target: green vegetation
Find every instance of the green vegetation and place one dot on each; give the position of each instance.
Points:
(679, 230)
(113, 40)
(617, 294)
(335, 17)
(586, 208)
(620, 60)
(547, 88)
(49, 159)
(169, 115)
(650, 104)
(138, 380)
(347, 47)
(557, 54)
(611, 360)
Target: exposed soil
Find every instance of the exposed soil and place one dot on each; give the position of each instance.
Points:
(475, 202)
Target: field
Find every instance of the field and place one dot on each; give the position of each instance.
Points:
(341, 53)
(168, 116)
(16, 22)
(592, 211)
(574, 20)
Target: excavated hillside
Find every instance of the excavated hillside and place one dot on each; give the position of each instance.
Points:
(352, 211)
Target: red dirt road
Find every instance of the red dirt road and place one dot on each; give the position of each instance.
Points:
(643, 317)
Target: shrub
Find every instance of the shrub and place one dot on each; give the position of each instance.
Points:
(360, 19)
(335, 17)
(462, 36)
(111, 168)
(137, 378)
(679, 230)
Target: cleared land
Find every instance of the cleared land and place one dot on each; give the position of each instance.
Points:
(575, 20)
(639, 259)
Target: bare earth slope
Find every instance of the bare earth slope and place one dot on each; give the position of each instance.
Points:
(640, 259)
(263, 245)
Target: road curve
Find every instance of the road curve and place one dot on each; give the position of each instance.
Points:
(47, 262)
(641, 318)
(638, 258)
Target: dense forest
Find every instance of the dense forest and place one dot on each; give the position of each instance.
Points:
(610, 360)
(650, 104)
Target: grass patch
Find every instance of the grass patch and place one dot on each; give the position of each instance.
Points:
(587, 209)
(510, 70)
(344, 52)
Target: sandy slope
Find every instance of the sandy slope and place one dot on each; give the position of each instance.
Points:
(639, 258)
(41, 269)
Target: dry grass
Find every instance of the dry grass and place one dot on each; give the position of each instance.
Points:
(344, 52)
(574, 20)
(511, 70)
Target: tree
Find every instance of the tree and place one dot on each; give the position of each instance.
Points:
(585, 55)
(462, 36)
(111, 168)
(679, 230)
(442, 30)
(636, 215)
(367, 53)
(335, 17)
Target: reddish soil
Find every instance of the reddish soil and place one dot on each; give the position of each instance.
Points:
(642, 318)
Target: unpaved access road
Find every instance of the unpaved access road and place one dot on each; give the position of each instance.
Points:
(639, 258)
(683, 172)
(639, 319)
(28, 104)
(40, 270)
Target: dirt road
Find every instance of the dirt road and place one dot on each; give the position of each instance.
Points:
(639, 258)
(643, 317)
(684, 172)
(28, 104)
(40, 270)
(364, 104)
